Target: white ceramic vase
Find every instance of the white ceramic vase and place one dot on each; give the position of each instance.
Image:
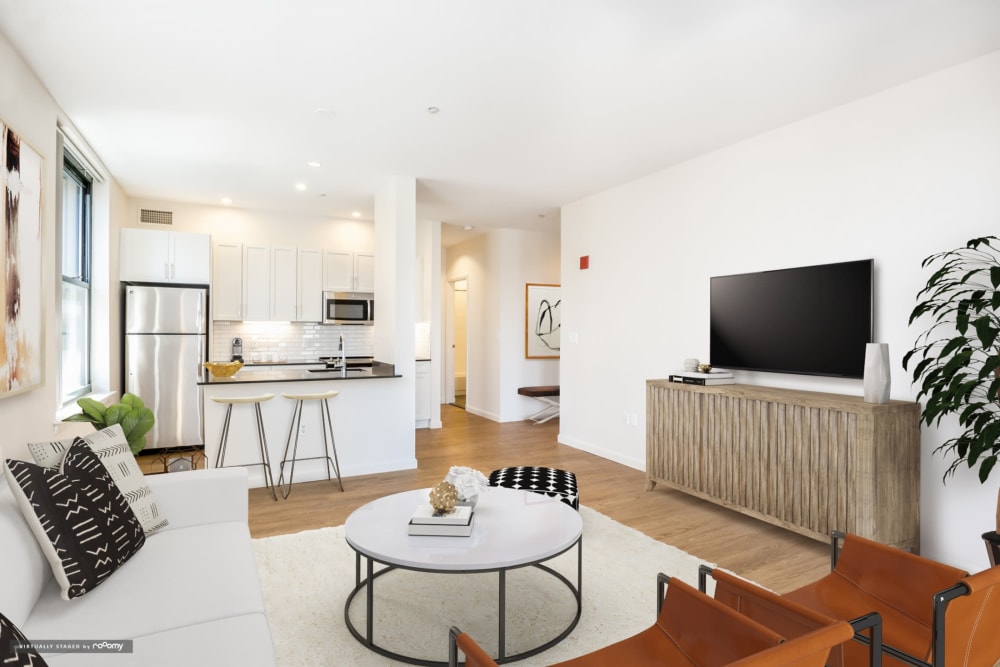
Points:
(877, 380)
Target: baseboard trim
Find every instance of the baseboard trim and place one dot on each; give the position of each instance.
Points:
(603, 452)
(482, 413)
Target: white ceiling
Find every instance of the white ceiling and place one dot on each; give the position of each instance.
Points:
(542, 102)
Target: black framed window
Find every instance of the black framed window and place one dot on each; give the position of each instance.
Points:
(76, 258)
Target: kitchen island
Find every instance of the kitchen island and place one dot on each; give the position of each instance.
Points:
(368, 441)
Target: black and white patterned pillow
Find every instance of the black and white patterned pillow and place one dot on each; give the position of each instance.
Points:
(13, 647)
(113, 450)
(79, 517)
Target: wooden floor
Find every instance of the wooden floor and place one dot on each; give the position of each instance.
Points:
(769, 555)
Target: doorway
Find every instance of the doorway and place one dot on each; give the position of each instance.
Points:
(460, 292)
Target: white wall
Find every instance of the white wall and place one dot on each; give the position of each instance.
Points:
(226, 223)
(896, 176)
(470, 260)
(498, 264)
(528, 257)
(27, 108)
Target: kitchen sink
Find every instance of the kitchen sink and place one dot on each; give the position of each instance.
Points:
(337, 370)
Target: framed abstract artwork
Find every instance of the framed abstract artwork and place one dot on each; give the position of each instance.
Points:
(22, 343)
(542, 321)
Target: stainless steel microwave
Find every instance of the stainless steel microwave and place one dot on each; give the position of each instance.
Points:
(348, 308)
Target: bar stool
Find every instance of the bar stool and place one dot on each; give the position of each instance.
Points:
(265, 461)
(329, 445)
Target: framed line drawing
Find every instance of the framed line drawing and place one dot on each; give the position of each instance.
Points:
(21, 346)
(542, 321)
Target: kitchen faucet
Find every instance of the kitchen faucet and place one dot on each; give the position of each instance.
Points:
(343, 357)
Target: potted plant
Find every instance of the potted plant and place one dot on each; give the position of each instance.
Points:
(956, 361)
(131, 413)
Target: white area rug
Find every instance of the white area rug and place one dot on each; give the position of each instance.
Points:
(306, 578)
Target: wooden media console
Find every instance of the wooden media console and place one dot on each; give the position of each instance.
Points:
(807, 461)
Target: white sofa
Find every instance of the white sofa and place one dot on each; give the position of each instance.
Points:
(190, 596)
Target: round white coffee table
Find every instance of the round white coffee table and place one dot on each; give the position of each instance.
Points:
(511, 529)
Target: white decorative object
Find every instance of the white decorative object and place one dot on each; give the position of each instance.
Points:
(877, 377)
(691, 365)
(468, 482)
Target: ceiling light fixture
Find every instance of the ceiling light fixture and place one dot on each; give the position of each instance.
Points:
(227, 201)
(468, 227)
(355, 214)
(433, 110)
(326, 112)
(301, 187)
(313, 163)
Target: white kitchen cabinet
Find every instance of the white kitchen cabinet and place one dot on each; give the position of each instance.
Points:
(310, 286)
(364, 272)
(256, 283)
(284, 284)
(161, 256)
(423, 391)
(227, 281)
(346, 271)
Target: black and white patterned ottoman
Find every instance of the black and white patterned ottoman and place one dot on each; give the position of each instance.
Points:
(552, 482)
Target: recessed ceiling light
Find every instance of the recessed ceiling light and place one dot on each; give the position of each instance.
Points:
(325, 112)
(313, 163)
(433, 110)
(227, 201)
(301, 187)
(467, 227)
(355, 214)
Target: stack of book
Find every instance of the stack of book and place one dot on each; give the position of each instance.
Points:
(457, 523)
(710, 378)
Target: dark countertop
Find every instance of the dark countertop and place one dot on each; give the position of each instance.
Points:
(243, 376)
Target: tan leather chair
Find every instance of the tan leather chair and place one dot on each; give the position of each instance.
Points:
(932, 614)
(787, 617)
(475, 656)
(693, 630)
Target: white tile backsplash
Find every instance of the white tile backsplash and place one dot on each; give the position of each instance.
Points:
(289, 341)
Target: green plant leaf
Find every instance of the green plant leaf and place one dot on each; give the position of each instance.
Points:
(93, 409)
(79, 417)
(138, 444)
(986, 331)
(133, 401)
(986, 467)
(952, 345)
(116, 414)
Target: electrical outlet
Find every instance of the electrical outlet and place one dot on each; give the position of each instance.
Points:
(302, 429)
(633, 419)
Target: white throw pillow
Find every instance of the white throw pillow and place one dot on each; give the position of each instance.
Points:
(112, 449)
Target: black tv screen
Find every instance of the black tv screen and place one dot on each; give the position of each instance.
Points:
(812, 320)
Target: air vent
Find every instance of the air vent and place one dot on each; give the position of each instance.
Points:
(150, 217)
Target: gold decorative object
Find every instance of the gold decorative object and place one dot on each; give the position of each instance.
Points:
(223, 369)
(704, 368)
(443, 497)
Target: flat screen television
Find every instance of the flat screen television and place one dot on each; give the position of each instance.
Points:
(811, 320)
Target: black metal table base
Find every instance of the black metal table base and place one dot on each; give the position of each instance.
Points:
(367, 583)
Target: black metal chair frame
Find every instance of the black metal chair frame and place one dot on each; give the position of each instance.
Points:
(992, 540)
(329, 446)
(940, 603)
(265, 461)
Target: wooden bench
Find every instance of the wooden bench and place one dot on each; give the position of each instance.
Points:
(546, 394)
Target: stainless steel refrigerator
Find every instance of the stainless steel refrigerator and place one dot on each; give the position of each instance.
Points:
(166, 342)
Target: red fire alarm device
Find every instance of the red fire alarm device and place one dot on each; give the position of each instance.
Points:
(584, 262)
